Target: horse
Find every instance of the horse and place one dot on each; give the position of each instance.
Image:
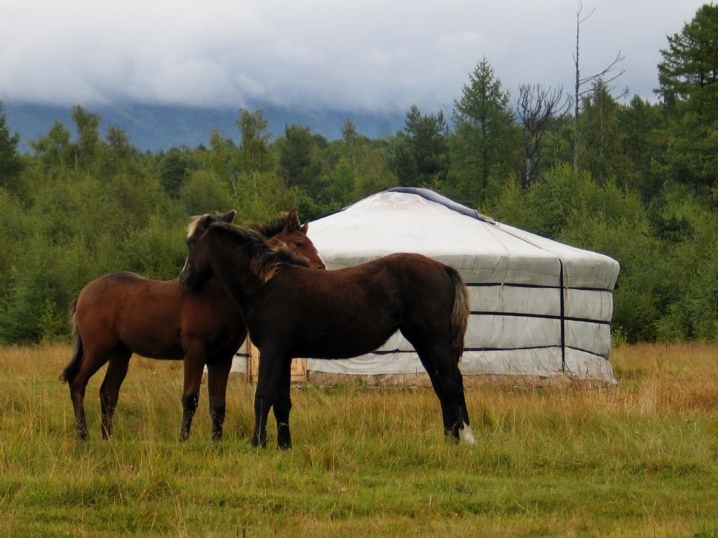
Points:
(122, 313)
(291, 311)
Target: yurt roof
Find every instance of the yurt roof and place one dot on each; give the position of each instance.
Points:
(420, 220)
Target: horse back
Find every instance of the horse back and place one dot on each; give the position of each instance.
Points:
(406, 278)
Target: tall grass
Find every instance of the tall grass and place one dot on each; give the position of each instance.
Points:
(636, 459)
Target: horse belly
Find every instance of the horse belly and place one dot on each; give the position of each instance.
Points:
(343, 342)
(153, 337)
(213, 329)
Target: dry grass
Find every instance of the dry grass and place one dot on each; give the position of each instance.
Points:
(636, 459)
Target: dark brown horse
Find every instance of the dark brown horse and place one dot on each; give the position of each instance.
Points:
(292, 311)
(122, 313)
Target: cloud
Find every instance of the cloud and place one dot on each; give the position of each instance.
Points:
(316, 54)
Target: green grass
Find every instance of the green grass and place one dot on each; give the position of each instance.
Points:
(637, 459)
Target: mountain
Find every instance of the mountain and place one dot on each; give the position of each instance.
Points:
(157, 128)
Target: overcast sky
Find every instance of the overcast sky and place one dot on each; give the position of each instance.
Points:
(345, 55)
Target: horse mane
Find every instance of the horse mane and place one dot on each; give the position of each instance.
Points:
(193, 225)
(267, 261)
(273, 227)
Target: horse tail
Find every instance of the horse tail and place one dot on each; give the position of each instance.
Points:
(460, 312)
(73, 366)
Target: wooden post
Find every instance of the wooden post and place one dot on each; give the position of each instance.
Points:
(299, 366)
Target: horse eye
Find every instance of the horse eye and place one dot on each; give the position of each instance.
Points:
(299, 244)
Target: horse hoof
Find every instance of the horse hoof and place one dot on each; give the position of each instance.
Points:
(257, 444)
(466, 436)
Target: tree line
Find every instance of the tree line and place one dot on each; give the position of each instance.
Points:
(644, 191)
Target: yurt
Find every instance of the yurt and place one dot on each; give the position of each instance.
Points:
(539, 308)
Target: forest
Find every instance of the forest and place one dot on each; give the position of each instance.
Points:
(631, 178)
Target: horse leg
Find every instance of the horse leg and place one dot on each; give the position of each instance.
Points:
(456, 418)
(448, 384)
(449, 387)
(270, 371)
(91, 362)
(217, 377)
(447, 415)
(77, 395)
(110, 389)
(283, 405)
(193, 368)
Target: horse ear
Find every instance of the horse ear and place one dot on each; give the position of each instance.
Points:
(204, 222)
(305, 228)
(229, 216)
(293, 223)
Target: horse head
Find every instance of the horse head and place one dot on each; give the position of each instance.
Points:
(288, 231)
(294, 235)
(196, 269)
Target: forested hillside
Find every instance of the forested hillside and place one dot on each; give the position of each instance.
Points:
(633, 179)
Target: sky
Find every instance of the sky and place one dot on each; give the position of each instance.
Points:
(376, 56)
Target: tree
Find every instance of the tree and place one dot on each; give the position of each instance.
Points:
(343, 161)
(601, 142)
(538, 110)
(11, 164)
(257, 186)
(581, 81)
(173, 169)
(54, 151)
(203, 191)
(687, 78)
(300, 160)
(255, 153)
(484, 143)
(303, 169)
(358, 167)
(641, 122)
(222, 159)
(689, 69)
(373, 174)
(87, 147)
(119, 148)
(351, 143)
(421, 152)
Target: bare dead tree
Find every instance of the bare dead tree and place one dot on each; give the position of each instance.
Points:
(582, 81)
(538, 109)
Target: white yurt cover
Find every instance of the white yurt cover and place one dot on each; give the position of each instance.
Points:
(538, 307)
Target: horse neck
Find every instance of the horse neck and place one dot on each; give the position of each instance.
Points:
(233, 271)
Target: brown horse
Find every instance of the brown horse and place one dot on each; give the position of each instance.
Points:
(122, 313)
(291, 311)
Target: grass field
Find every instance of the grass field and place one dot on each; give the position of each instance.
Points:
(636, 459)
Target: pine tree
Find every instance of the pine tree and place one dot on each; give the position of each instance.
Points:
(428, 148)
(11, 164)
(688, 72)
(485, 143)
(688, 77)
